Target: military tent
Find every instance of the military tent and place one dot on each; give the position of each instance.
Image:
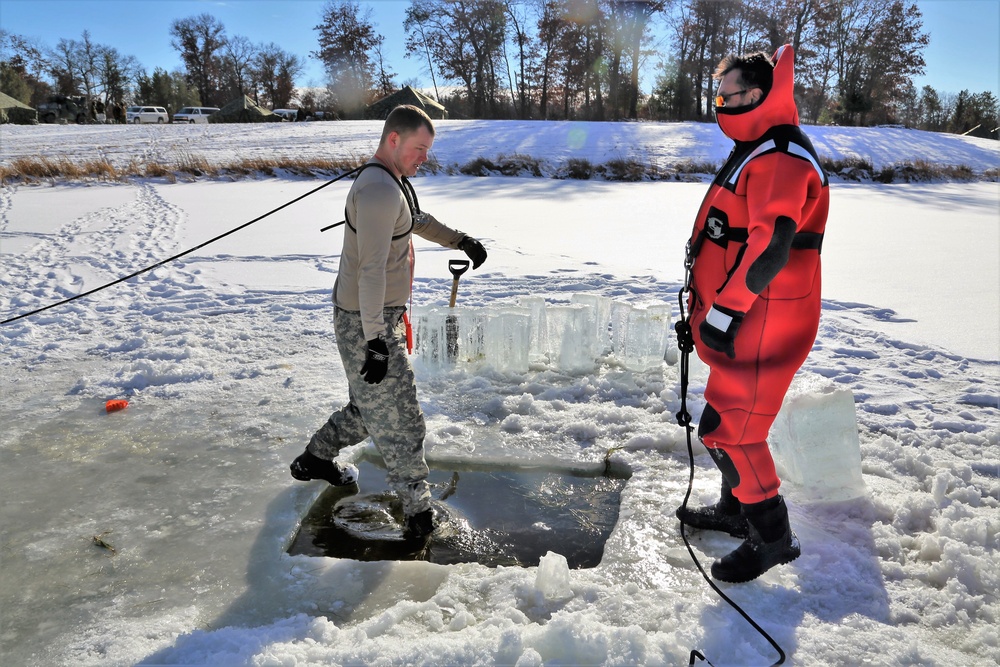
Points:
(379, 110)
(243, 110)
(12, 111)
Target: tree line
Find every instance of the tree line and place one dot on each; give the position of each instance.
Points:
(541, 59)
(217, 68)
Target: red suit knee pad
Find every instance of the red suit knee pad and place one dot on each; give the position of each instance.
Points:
(749, 469)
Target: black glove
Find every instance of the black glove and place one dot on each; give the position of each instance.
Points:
(719, 329)
(377, 362)
(474, 249)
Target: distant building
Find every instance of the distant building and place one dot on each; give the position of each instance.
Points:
(379, 110)
(13, 111)
(244, 110)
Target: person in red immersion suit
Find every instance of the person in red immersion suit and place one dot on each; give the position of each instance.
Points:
(754, 301)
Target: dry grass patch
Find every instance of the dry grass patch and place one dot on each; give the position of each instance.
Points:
(504, 165)
(30, 169)
(578, 168)
(622, 169)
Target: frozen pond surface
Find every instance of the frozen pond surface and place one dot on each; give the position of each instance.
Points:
(228, 361)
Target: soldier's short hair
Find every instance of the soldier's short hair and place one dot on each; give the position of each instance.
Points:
(405, 119)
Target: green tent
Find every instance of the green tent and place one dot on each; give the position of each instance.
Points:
(379, 110)
(243, 110)
(12, 111)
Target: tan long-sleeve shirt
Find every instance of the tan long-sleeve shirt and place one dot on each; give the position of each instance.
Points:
(375, 268)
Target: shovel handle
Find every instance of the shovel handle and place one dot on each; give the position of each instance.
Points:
(457, 268)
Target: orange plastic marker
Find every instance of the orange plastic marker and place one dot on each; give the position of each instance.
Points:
(115, 405)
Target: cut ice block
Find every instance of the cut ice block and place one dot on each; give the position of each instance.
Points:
(815, 440)
(508, 339)
(619, 325)
(538, 350)
(643, 344)
(602, 318)
(471, 334)
(552, 578)
(430, 338)
(572, 338)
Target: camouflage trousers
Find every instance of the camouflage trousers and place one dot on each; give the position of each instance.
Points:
(388, 412)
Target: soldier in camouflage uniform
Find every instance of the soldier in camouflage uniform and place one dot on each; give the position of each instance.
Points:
(373, 286)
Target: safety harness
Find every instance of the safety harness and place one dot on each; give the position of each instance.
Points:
(788, 139)
(404, 185)
(410, 195)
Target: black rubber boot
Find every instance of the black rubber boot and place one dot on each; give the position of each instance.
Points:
(309, 466)
(723, 516)
(770, 542)
(421, 524)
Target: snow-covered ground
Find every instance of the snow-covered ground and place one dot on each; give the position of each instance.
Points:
(228, 361)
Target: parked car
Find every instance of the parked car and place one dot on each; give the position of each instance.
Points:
(194, 114)
(287, 114)
(146, 115)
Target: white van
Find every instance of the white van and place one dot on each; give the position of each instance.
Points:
(194, 114)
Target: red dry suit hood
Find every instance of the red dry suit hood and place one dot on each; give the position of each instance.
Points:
(776, 108)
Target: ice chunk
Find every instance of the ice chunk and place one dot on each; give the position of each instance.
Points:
(602, 318)
(643, 345)
(815, 440)
(470, 336)
(508, 339)
(552, 578)
(619, 325)
(572, 338)
(431, 338)
(538, 350)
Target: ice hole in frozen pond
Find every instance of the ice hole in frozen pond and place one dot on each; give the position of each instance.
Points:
(493, 515)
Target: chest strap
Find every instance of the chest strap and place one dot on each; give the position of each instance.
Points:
(801, 240)
(408, 193)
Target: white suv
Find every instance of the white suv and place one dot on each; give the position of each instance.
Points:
(194, 114)
(146, 115)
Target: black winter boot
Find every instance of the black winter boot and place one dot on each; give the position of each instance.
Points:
(309, 466)
(722, 516)
(770, 542)
(421, 524)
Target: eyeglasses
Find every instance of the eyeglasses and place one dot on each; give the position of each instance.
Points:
(720, 100)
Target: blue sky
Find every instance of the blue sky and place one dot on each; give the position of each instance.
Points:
(964, 52)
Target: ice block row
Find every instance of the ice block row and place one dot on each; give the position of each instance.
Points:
(571, 337)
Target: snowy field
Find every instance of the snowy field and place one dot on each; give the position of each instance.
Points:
(227, 359)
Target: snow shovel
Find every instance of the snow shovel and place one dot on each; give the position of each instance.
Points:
(457, 268)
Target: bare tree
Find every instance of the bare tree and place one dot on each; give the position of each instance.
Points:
(417, 39)
(237, 75)
(200, 40)
(465, 40)
(275, 69)
(518, 20)
(384, 78)
(346, 41)
(115, 74)
(877, 48)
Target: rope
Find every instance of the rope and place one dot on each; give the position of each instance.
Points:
(685, 343)
(178, 255)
